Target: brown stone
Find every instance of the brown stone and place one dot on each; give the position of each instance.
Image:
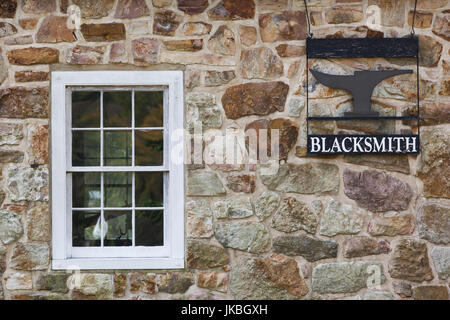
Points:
(248, 35)
(7, 29)
(213, 280)
(288, 133)
(254, 99)
(131, 9)
(54, 29)
(434, 162)
(192, 79)
(365, 246)
(316, 18)
(28, 39)
(341, 14)
(222, 41)
(38, 223)
(272, 4)
(392, 12)
(294, 68)
(409, 261)
(20, 102)
(287, 51)
(30, 256)
(261, 63)
(394, 162)
(391, 225)
(441, 26)
(29, 76)
(8, 8)
(402, 288)
(175, 282)
(429, 51)
(434, 223)
(28, 23)
(233, 10)
(120, 285)
(422, 20)
(196, 28)
(431, 113)
(118, 53)
(192, 7)
(166, 22)
(86, 55)
(376, 190)
(143, 283)
(94, 9)
(184, 45)
(429, 4)
(161, 3)
(202, 255)
(241, 183)
(145, 51)
(38, 144)
(38, 6)
(103, 32)
(445, 90)
(11, 156)
(287, 25)
(430, 293)
(217, 78)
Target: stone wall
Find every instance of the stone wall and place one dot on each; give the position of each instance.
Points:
(320, 228)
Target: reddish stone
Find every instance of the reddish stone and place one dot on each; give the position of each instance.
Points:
(376, 190)
(441, 26)
(166, 22)
(145, 51)
(286, 50)
(241, 183)
(118, 53)
(23, 103)
(38, 6)
(261, 63)
(365, 246)
(284, 26)
(143, 283)
(233, 10)
(28, 23)
(86, 55)
(213, 280)
(184, 45)
(131, 9)
(409, 261)
(54, 29)
(248, 35)
(103, 31)
(8, 8)
(254, 98)
(196, 28)
(29, 76)
(38, 144)
(192, 7)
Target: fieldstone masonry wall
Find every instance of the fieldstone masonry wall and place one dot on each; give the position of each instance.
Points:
(319, 228)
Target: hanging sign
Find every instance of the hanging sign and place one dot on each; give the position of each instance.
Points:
(361, 85)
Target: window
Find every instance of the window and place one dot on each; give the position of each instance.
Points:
(117, 196)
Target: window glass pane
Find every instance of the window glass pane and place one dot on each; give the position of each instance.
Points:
(85, 109)
(117, 189)
(149, 228)
(117, 148)
(85, 148)
(117, 109)
(149, 148)
(86, 189)
(149, 189)
(148, 108)
(119, 228)
(86, 228)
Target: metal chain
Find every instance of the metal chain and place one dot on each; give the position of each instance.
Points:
(413, 19)
(310, 35)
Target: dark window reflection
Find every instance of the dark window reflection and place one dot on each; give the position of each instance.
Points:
(149, 228)
(117, 109)
(85, 148)
(117, 148)
(149, 148)
(119, 228)
(86, 228)
(85, 109)
(86, 189)
(117, 189)
(149, 111)
(149, 189)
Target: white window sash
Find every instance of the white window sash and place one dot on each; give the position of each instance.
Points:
(64, 256)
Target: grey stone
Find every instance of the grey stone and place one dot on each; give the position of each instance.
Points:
(243, 235)
(233, 208)
(204, 183)
(202, 255)
(433, 223)
(391, 162)
(30, 256)
(340, 218)
(261, 63)
(3, 75)
(202, 107)
(266, 204)
(199, 219)
(218, 78)
(56, 282)
(305, 178)
(10, 227)
(342, 277)
(93, 286)
(312, 249)
(294, 215)
(10, 133)
(378, 295)
(295, 107)
(441, 260)
(28, 184)
(259, 279)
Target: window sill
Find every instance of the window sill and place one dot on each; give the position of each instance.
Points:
(117, 263)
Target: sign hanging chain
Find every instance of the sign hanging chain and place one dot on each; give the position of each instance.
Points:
(413, 19)
(310, 35)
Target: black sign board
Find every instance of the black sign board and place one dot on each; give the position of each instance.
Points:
(361, 84)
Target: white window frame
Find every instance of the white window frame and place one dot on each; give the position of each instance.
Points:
(169, 256)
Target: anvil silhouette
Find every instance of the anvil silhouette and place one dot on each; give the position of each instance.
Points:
(360, 84)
